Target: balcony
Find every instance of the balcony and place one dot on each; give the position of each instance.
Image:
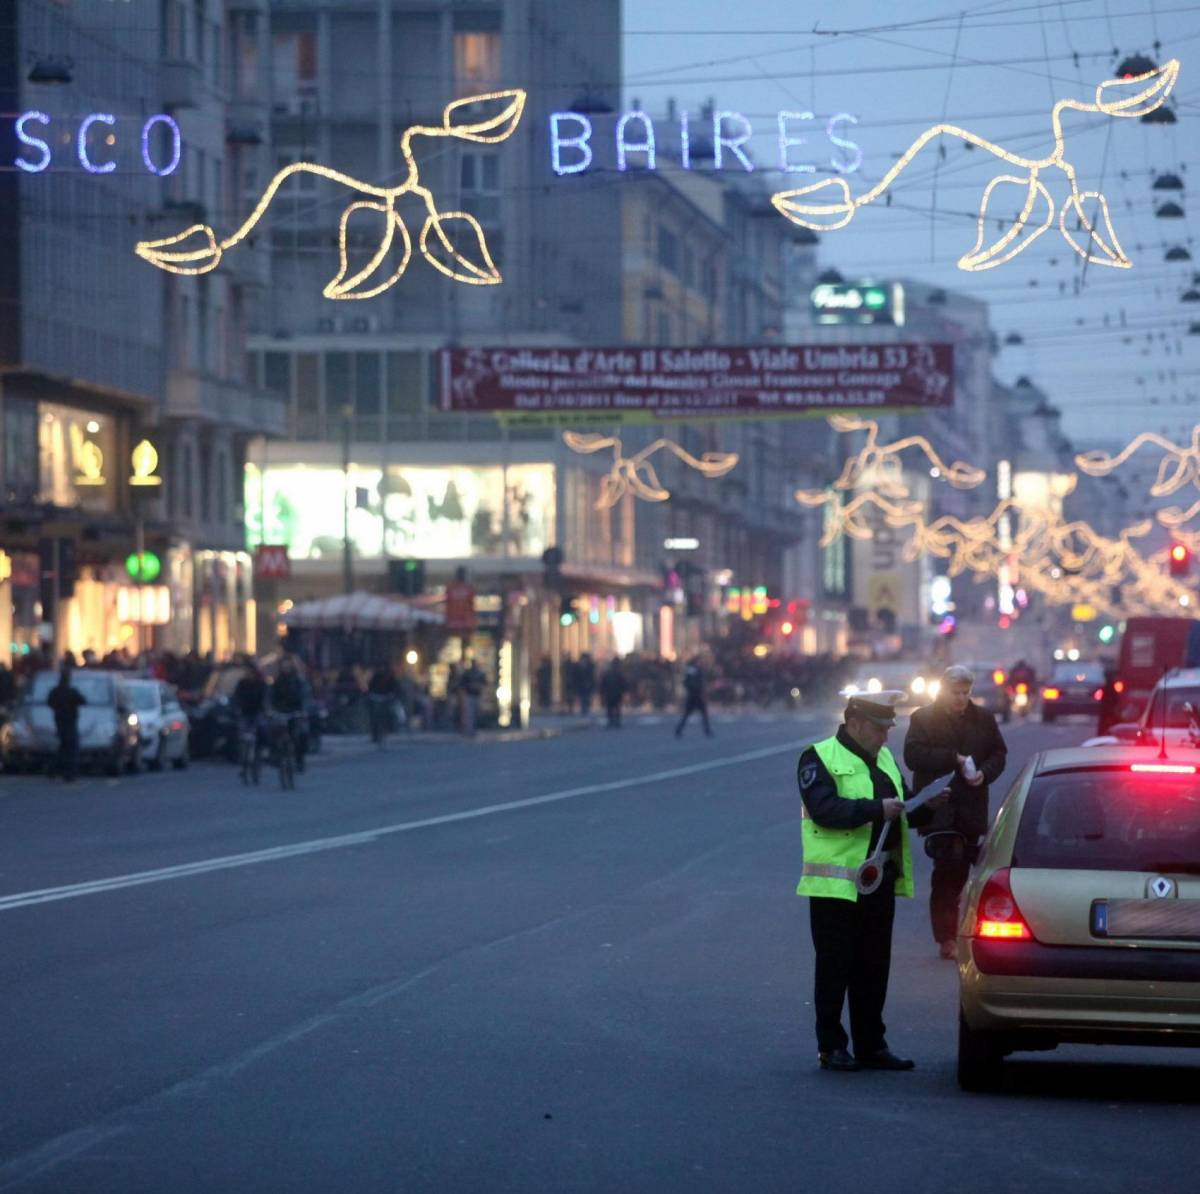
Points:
(181, 83)
(209, 400)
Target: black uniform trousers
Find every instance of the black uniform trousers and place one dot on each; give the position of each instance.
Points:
(853, 941)
(945, 888)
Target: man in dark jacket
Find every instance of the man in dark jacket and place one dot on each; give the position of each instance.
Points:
(65, 701)
(613, 686)
(954, 736)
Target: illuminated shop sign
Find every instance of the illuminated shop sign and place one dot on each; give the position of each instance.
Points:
(97, 140)
(804, 143)
(863, 302)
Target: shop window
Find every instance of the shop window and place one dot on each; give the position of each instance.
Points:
(20, 449)
(76, 455)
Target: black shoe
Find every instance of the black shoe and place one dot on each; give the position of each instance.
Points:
(838, 1059)
(884, 1059)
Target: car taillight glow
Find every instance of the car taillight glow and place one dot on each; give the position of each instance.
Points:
(997, 916)
(1050, 694)
(1164, 768)
(1098, 695)
(998, 677)
(1119, 687)
(1022, 688)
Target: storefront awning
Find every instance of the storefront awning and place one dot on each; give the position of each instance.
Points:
(358, 611)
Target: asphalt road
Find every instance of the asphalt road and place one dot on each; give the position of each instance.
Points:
(565, 965)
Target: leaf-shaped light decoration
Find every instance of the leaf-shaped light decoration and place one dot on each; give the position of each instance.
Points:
(588, 441)
(844, 423)
(439, 249)
(820, 217)
(1176, 516)
(1100, 231)
(612, 489)
(343, 287)
(487, 119)
(964, 476)
(643, 480)
(1020, 234)
(1175, 470)
(1140, 95)
(192, 251)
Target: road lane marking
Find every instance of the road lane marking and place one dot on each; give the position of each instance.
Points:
(47, 895)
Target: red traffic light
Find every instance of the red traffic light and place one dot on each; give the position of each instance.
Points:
(1179, 552)
(1180, 560)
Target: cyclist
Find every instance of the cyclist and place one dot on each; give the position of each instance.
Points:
(288, 699)
(250, 701)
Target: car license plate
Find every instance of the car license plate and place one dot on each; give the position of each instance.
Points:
(1166, 920)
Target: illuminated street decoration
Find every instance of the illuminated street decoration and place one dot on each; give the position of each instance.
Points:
(1136, 97)
(144, 460)
(847, 518)
(636, 474)
(196, 250)
(1180, 466)
(25, 128)
(884, 462)
(573, 150)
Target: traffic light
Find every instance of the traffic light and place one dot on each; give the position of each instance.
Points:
(406, 577)
(1179, 560)
(566, 608)
(1106, 633)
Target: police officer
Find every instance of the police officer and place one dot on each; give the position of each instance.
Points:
(853, 792)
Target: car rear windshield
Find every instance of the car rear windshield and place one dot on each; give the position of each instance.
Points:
(96, 689)
(1077, 673)
(1111, 819)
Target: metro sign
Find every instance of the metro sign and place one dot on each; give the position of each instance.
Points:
(271, 562)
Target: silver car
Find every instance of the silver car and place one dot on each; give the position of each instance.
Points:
(108, 725)
(162, 724)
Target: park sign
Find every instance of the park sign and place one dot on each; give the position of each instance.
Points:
(630, 385)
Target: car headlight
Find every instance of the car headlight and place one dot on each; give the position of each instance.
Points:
(918, 685)
(874, 684)
(850, 690)
(935, 686)
(132, 719)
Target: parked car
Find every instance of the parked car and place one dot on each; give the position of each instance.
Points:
(108, 725)
(1082, 917)
(162, 724)
(1073, 688)
(1171, 717)
(212, 719)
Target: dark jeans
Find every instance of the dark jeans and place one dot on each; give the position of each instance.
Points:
(854, 955)
(614, 712)
(68, 753)
(949, 878)
(694, 705)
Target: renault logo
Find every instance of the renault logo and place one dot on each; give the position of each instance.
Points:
(1161, 888)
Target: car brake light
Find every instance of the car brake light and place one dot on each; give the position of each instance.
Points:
(997, 677)
(997, 916)
(1118, 686)
(1022, 688)
(1098, 695)
(1164, 768)
(1050, 694)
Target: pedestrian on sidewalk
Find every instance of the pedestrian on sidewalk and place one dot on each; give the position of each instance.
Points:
(470, 685)
(65, 701)
(693, 697)
(545, 687)
(585, 682)
(954, 736)
(613, 686)
(852, 793)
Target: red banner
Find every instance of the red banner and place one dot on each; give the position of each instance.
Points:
(460, 607)
(643, 384)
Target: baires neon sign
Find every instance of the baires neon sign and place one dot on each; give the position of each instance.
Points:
(638, 145)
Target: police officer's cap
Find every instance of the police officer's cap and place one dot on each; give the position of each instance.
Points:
(879, 707)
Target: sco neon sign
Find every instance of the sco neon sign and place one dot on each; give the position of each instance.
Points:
(572, 148)
(36, 154)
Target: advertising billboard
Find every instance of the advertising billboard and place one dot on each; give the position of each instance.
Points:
(611, 385)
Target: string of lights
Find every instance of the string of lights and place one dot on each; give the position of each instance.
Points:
(1149, 91)
(460, 119)
(636, 474)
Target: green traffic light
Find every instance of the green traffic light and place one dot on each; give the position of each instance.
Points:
(1106, 633)
(144, 569)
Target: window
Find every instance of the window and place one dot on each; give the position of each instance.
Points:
(206, 465)
(405, 397)
(305, 181)
(222, 486)
(295, 68)
(277, 373)
(367, 403)
(664, 328)
(668, 249)
(245, 53)
(338, 392)
(188, 479)
(477, 64)
(480, 186)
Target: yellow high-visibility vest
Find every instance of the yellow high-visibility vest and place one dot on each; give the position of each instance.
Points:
(832, 856)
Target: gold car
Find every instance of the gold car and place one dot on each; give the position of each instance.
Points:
(1082, 918)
